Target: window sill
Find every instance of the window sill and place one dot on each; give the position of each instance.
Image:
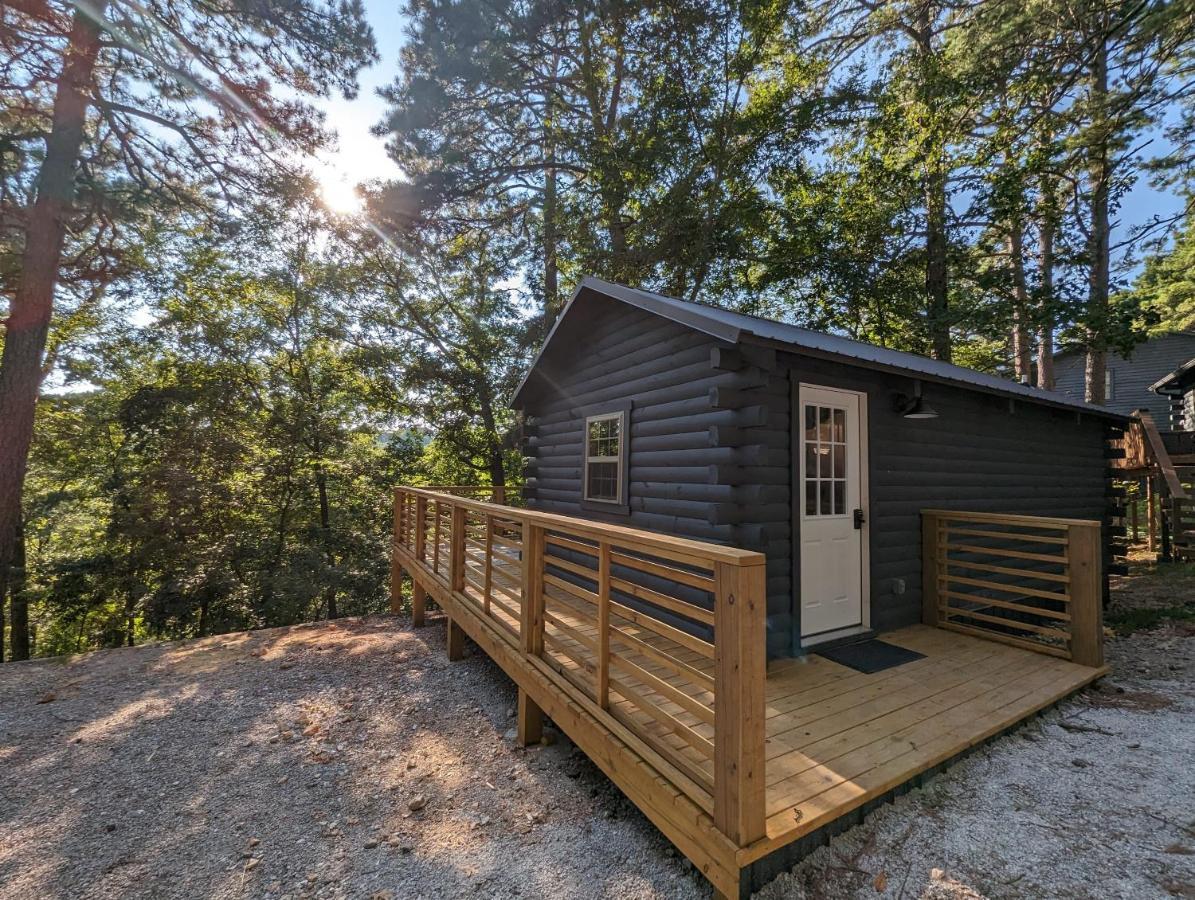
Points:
(616, 509)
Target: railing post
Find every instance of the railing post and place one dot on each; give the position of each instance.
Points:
(740, 662)
(500, 494)
(603, 627)
(395, 566)
(930, 554)
(418, 593)
(456, 555)
(421, 528)
(531, 625)
(489, 562)
(1084, 558)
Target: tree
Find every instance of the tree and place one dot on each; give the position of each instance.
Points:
(446, 319)
(634, 140)
(1166, 286)
(182, 101)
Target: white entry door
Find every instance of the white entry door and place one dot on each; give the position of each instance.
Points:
(831, 501)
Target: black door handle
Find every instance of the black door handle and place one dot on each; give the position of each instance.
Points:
(859, 519)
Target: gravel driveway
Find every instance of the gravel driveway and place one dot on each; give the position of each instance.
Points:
(351, 759)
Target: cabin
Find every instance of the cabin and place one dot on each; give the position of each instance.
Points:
(1177, 389)
(767, 578)
(818, 451)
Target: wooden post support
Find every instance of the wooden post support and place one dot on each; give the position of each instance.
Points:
(1084, 557)
(456, 557)
(1151, 513)
(603, 627)
(1166, 516)
(456, 641)
(531, 624)
(418, 602)
(395, 586)
(740, 661)
(530, 722)
(1134, 515)
(930, 535)
(500, 494)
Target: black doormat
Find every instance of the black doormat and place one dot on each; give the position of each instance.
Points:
(869, 656)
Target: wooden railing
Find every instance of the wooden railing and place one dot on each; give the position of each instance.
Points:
(1025, 580)
(659, 638)
(490, 493)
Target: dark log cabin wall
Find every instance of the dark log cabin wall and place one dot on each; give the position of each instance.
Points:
(710, 448)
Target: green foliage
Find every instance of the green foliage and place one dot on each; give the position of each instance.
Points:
(1166, 287)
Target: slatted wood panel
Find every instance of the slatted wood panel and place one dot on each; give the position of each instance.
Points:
(1025, 580)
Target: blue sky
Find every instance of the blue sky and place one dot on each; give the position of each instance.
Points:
(361, 157)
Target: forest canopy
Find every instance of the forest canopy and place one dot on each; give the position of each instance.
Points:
(210, 381)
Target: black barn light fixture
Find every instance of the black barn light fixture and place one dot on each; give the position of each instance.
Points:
(913, 407)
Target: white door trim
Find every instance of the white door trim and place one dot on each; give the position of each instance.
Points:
(864, 501)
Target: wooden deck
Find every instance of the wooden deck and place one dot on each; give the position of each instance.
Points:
(639, 696)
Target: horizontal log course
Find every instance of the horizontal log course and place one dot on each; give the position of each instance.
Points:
(721, 397)
(747, 475)
(732, 359)
(753, 417)
(736, 436)
(734, 514)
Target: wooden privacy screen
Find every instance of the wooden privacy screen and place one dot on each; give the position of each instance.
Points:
(1025, 580)
(661, 638)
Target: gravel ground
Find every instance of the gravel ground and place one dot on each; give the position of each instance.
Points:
(352, 760)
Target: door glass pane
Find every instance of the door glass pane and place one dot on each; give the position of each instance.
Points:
(825, 449)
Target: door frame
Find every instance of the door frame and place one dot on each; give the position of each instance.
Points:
(795, 437)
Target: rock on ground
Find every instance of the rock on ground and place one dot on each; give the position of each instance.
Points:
(350, 759)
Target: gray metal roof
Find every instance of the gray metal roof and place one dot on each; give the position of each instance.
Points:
(734, 328)
(1175, 379)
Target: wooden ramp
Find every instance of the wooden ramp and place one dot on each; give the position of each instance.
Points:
(581, 617)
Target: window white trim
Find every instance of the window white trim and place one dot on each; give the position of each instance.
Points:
(618, 459)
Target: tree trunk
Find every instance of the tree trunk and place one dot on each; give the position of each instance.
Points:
(19, 599)
(934, 187)
(1046, 312)
(936, 287)
(325, 524)
(1097, 244)
(551, 266)
(1022, 346)
(33, 302)
(489, 421)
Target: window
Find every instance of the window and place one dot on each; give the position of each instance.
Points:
(604, 459)
(1109, 385)
(825, 460)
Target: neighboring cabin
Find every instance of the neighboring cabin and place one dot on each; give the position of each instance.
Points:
(1129, 382)
(819, 451)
